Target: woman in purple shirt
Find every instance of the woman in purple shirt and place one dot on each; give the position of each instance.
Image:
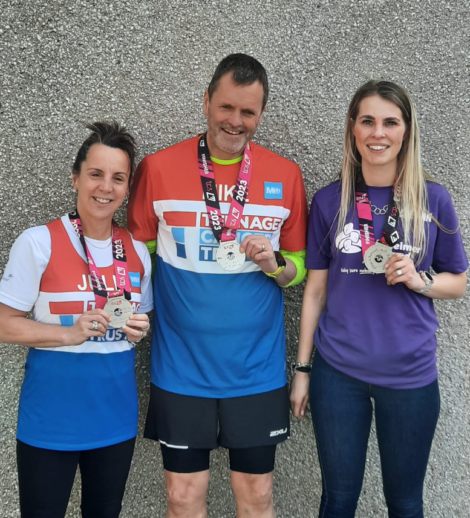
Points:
(383, 242)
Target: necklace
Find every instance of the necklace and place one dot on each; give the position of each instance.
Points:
(93, 243)
(377, 211)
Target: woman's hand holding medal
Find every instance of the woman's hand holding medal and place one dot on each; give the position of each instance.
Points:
(97, 321)
(91, 323)
(400, 268)
(137, 327)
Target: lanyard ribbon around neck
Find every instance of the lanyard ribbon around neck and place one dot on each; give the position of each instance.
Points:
(391, 233)
(119, 262)
(224, 231)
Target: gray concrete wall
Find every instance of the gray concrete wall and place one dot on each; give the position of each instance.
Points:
(147, 63)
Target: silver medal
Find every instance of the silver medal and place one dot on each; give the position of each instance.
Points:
(229, 256)
(120, 310)
(376, 256)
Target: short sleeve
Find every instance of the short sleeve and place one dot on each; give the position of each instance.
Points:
(318, 239)
(449, 252)
(142, 221)
(29, 257)
(294, 230)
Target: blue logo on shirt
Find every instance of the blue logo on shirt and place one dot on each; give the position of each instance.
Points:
(272, 191)
(135, 279)
(66, 320)
(178, 236)
(111, 335)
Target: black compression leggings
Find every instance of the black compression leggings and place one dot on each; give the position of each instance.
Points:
(46, 479)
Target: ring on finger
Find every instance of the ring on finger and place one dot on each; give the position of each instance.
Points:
(94, 325)
(399, 272)
(146, 328)
(141, 334)
(262, 249)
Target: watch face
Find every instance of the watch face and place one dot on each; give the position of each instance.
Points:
(428, 276)
(280, 259)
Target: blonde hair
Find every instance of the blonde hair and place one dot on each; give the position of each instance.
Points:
(412, 199)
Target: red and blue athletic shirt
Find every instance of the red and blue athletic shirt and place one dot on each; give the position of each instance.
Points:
(217, 334)
(74, 397)
(379, 334)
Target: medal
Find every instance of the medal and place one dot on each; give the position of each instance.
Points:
(377, 252)
(116, 303)
(376, 256)
(229, 256)
(119, 309)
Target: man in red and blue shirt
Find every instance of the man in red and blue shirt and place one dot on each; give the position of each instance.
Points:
(218, 374)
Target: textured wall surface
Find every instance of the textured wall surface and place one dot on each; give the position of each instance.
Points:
(147, 63)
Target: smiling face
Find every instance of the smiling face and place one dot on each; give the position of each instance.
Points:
(234, 113)
(379, 131)
(102, 184)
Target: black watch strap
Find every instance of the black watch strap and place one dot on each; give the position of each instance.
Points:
(280, 259)
(301, 367)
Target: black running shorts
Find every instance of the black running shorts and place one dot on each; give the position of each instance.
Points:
(183, 422)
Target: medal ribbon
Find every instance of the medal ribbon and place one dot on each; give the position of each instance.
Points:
(227, 231)
(391, 234)
(119, 261)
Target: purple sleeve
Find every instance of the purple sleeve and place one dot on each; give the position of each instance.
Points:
(449, 253)
(318, 239)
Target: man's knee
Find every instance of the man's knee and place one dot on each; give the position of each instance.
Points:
(254, 491)
(261, 494)
(186, 491)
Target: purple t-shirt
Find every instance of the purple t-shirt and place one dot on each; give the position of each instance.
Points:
(380, 334)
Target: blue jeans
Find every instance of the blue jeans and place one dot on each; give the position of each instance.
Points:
(342, 414)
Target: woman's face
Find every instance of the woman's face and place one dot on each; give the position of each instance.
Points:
(379, 130)
(103, 182)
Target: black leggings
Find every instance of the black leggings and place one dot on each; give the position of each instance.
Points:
(46, 479)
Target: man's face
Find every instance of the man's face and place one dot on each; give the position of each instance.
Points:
(233, 115)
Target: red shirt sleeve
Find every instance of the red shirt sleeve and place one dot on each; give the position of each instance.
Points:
(141, 218)
(294, 230)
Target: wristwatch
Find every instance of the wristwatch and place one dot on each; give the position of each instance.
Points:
(281, 263)
(301, 367)
(428, 279)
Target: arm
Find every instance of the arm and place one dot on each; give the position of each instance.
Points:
(446, 285)
(19, 291)
(15, 328)
(314, 302)
(298, 258)
(448, 257)
(287, 275)
(259, 250)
